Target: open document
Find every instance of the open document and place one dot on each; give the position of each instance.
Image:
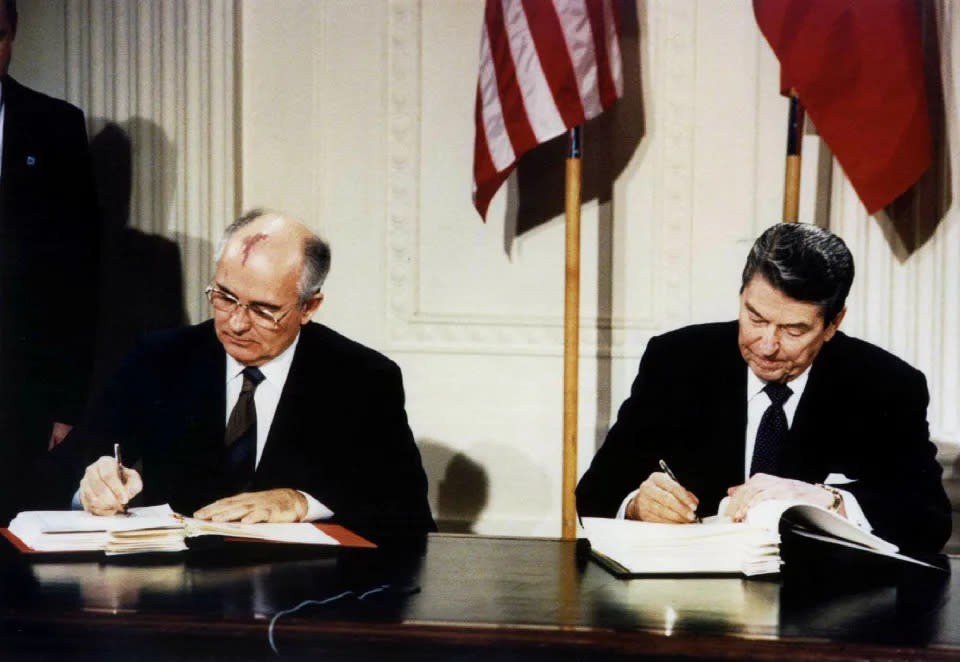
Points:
(154, 529)
(720, 546)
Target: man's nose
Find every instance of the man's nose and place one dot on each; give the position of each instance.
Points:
(239, 320)
(769, 341)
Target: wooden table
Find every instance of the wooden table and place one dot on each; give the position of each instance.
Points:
(460, 597)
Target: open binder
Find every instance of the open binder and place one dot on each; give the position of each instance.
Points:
(154, 529)
(719, 546)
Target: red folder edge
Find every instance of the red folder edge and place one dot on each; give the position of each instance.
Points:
(344, 536)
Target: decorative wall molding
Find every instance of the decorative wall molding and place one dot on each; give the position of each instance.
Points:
(676, 44)
(163, 72)
(411, 328)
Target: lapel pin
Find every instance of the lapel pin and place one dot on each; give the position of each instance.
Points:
(31, 161)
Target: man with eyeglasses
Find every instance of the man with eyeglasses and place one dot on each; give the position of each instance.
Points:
(258, 415)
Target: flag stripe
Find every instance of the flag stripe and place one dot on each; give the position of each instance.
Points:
(517, 129)
(545, 66)
(547, 32)
(545, 119)
(486, 179)
(605, 82)
(483, 166)
(611, 13)
(489, 114)
(579, 42)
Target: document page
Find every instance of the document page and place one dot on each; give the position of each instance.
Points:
(295, 532)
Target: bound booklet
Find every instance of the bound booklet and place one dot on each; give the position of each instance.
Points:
(154, 529)
(720, 546)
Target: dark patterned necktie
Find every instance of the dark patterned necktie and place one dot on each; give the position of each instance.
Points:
(241, 435)
(772, 432)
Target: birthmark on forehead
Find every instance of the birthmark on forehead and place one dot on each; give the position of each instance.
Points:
(249, 243)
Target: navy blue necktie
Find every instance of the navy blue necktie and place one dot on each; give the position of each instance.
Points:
(241, 434)
(772, 431)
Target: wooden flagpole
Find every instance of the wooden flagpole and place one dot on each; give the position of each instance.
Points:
(571, 337)
(791, 185)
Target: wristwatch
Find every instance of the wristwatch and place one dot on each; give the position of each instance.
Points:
(837, 498)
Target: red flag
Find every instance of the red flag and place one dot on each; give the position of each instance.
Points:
(857, 67)
(545, 66)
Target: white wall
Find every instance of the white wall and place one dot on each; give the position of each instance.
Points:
(357, 116)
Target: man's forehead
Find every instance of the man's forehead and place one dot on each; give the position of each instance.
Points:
(248, 244)
(271, 233)
(762, 298)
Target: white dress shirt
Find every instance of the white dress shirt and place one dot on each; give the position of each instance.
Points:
(266, 398)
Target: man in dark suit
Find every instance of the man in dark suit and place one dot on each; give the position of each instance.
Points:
(328, 438)
(48, 271)
(776, 405)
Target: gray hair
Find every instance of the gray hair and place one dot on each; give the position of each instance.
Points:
(316, 256)
(805, 262)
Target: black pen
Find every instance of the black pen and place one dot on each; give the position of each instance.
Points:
(666, 470)
(116, 456)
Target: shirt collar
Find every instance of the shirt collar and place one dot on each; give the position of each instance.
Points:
(274, 371)
(755, 385)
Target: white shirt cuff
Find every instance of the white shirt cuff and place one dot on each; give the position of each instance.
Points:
(622, 512)
(315, 510)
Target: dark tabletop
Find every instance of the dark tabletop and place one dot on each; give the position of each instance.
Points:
(454, 597)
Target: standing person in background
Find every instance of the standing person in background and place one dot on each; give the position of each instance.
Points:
(48, 271)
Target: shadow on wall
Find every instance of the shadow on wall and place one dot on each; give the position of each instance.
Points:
(459, 484)
(911, 220)
(949, 456)
(142, 278)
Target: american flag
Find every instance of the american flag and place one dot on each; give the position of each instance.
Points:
(545, 66)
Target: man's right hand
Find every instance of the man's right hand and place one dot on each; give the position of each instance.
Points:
(662, 499)
(102, 492)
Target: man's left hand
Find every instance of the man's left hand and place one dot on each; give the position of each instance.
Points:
(280, 505)
(763, 487)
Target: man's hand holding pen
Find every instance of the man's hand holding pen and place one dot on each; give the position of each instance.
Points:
(661, 498)
(107, 486)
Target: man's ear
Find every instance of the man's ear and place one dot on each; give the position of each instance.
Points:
(310, 307)
(835, 324)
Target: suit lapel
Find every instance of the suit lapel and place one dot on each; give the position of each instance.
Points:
(734, 413)
(297, 405)
(208, 393)
(811, 426)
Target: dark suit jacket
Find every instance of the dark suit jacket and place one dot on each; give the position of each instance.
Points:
(48, 275)
(340, 432)
(862, 414)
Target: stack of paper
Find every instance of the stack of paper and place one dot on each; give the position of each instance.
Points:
(711, 548)
(150, 529)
